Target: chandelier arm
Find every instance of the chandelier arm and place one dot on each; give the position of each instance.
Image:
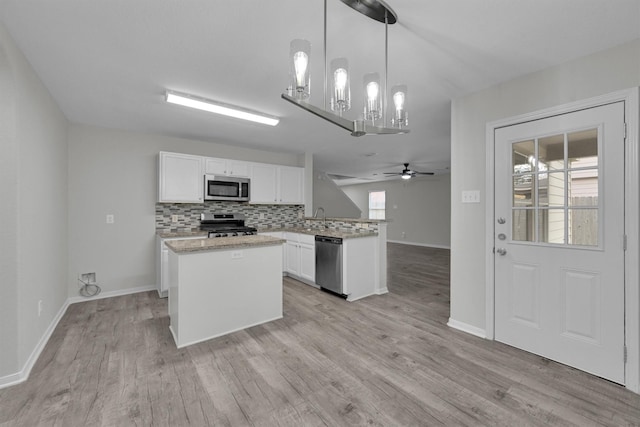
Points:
(386, 66)
(324, 49)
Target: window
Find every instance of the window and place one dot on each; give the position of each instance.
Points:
(377, 201)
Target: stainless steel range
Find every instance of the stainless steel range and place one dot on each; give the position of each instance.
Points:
(225, 225)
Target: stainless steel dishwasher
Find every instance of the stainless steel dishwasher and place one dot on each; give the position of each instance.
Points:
(329, 264)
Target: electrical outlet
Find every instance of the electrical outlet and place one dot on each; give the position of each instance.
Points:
(174, 218)
(404, 234)
(39, 307)
(261, 216)
(110, 219)
(236, 254)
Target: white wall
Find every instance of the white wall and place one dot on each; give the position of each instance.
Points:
(419, 207)
(604, 72)
(116, 172)
(33, 226)
(331, 198)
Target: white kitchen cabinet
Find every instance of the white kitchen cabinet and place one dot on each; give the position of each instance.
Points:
(292, 253)
(272, 184)
(216, 166)
(180, 178)
(308, 260)
(162, 263)
(264, 181)
(301, 257)
(291, 185)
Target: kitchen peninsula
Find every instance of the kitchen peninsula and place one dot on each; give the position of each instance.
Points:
(218, 286)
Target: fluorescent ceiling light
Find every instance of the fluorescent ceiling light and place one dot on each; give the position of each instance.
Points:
(220, 108)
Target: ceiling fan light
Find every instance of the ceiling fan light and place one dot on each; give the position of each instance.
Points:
(300, 75)
(406, 176)
(399, 115)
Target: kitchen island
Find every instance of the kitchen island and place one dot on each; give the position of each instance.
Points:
(222, 285)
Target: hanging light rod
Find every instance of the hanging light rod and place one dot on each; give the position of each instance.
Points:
(374, 118)
(216, 107)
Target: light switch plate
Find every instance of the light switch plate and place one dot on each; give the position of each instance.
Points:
(110, 219)
(471, 196)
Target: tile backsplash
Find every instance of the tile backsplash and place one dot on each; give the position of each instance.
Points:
(259, 216)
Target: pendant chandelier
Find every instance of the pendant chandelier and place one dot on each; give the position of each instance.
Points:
(337, 85)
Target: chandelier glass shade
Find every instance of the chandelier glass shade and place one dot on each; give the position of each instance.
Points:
(340, 88)
(399, 116)
(300, 71)
(337, 86)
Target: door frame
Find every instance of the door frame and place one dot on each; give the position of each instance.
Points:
(631, 99)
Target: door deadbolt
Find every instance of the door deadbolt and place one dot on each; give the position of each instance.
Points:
(502, 236)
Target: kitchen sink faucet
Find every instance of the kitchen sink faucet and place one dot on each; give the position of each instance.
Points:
(324, 216)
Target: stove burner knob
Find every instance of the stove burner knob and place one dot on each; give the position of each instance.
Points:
(234, 234)
(218, 235)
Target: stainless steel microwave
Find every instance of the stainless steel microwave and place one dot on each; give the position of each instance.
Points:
(228, 188)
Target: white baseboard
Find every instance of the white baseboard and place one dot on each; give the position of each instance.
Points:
(23, 374)
(426, 245)
(465, 327)
(110, 294)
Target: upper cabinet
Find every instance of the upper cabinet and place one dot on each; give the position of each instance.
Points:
(215, 166)
(291, 185)
(264, 180)
(181, 178)
(272, 184)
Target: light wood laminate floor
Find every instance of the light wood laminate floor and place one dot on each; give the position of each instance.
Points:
(385, 360)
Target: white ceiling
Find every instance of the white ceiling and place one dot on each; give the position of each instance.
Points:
(108, 63)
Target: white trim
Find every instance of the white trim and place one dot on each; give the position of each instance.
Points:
(111, 294)
(382, 291)
(24, 373)
(465, 327)
(631, 99)
(426, 245)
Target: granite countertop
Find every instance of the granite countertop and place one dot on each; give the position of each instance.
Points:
(321, 232)
(181, 234)
(361, 220)
(222, 243)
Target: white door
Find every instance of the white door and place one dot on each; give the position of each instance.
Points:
(559, 239)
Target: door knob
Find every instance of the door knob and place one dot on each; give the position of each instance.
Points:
(501, 220)
(501, 251)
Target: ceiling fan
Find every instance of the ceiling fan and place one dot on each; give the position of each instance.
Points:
(408, 173)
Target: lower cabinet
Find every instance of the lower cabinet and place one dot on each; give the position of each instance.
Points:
(299, 255)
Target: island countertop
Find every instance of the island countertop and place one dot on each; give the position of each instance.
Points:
(217, 243)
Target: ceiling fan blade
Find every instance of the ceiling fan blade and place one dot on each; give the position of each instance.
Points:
(425, 173)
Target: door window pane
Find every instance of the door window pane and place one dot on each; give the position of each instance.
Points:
(551, 152)
(583, 228)
(582, 148)
(551, 226)
(523, 190)
(522, 225)
(551, 189)
(583, 187)
(523, 154)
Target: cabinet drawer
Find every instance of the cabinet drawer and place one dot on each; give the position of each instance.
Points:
(309, 239)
